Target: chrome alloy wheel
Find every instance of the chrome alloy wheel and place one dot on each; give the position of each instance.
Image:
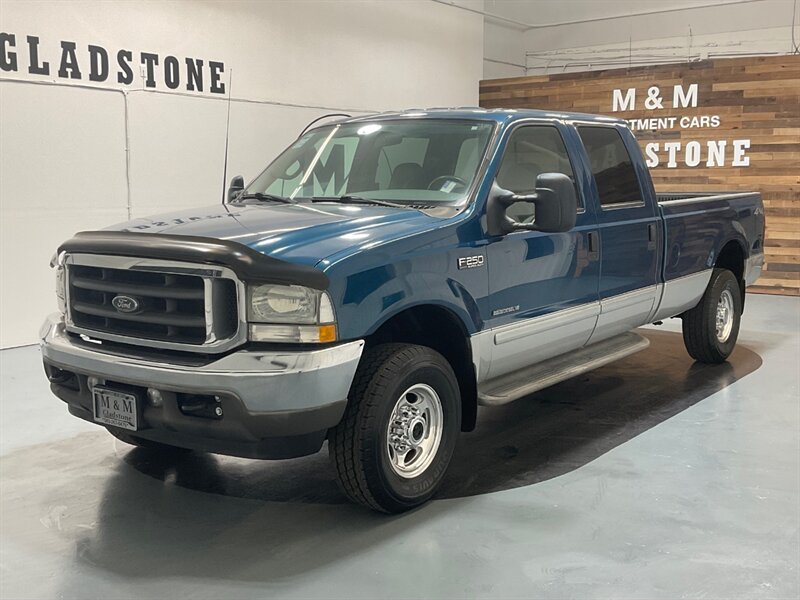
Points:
(415, 430)
(725, 316)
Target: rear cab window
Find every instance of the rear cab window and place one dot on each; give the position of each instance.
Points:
(612, 167)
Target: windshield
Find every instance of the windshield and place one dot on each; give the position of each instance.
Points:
(413, 161)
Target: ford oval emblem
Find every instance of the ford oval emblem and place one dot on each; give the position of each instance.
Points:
(125, 304)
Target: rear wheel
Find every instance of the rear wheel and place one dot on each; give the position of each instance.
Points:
(134, 440)
(399, 430)
(711, 328)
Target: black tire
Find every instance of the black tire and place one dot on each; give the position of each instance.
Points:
(134, 440)
(700, 323)
(359, 445)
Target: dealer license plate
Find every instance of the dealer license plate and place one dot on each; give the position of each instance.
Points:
(112, 407)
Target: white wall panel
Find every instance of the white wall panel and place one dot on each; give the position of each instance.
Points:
(178, 146)
(290, 61)
(176, 151)
(582, 35)
(503, 51)
(57, 177)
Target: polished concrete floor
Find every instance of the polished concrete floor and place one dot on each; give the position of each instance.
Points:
(650, 478)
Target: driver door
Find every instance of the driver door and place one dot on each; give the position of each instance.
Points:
(543, 286)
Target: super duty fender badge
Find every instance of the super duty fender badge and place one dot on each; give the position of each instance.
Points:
(504, 311)
(471, 262)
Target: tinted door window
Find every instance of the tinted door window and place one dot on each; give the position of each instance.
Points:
(611, 164)
(530, 152)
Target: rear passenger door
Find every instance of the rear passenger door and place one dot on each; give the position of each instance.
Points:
(629, 232)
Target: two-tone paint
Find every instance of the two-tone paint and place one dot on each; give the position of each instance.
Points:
(530, 295)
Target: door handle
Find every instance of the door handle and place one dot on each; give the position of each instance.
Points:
(651, 236)
(594, 245)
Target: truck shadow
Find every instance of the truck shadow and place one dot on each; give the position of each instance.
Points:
(561, 428)
(534, 439)
(270, 521)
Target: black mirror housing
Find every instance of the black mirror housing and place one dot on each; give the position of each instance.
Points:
(555, 201)
(237, 185)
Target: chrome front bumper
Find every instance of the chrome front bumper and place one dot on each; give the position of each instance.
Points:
(265, 381)
(274, 403)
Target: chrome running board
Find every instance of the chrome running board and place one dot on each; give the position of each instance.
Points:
(539, 376)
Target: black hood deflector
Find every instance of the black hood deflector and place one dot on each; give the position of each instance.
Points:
(248, 264)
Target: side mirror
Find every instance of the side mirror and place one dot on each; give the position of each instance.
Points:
(237, 185)
(554, 199)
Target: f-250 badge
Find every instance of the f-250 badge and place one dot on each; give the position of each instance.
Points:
(471, 262)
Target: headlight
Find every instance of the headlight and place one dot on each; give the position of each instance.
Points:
(283, 304)
(57, 262)
(289, 313)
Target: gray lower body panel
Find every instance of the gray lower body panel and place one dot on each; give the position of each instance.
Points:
(681, 294)
(539, 376)
(752, 268)
(624, 312)
(497, 352)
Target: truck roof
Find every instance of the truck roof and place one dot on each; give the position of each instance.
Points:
(499, 115)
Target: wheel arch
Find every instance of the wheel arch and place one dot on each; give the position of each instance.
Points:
(441, 329)
(732, 256)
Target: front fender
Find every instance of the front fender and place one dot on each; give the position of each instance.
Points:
(365, 299)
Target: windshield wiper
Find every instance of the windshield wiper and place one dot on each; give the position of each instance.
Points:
(356, 200)
(266, 198)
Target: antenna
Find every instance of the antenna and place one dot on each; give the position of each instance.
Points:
(318, 119)
(227, 134)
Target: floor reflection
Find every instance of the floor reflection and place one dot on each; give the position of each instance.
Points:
(531, 440)
(143, 516)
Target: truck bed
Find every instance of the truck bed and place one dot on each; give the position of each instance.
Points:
(697, 225)
(686, 196)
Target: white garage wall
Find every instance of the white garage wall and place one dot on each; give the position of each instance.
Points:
(74, 156)
(504, 50)
(554, 36)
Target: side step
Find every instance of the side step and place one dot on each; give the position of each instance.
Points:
(539, 376)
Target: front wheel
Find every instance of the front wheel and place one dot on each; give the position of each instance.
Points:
(711, 328)
(399, 430)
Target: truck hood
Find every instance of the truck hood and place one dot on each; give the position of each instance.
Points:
(299, 233)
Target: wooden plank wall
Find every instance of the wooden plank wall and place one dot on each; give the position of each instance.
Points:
(755, 98)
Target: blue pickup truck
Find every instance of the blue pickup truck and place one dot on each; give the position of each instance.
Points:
(382, 278)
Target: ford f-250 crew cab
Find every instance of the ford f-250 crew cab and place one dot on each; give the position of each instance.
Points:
(383, 277)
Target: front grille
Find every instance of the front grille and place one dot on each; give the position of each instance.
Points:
(159, 306)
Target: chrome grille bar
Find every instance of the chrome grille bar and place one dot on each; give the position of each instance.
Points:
(155, 303)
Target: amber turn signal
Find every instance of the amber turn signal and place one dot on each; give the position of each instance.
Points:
(327, 333)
